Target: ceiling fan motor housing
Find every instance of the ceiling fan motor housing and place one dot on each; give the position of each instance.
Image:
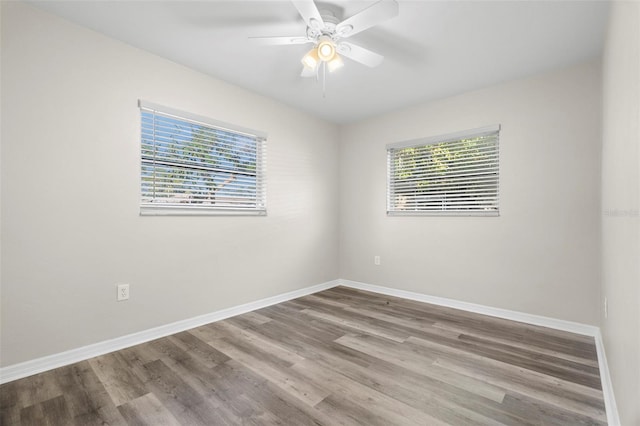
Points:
(330, 20)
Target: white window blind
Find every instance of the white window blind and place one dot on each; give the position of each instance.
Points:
(454, 174)
(195, 165)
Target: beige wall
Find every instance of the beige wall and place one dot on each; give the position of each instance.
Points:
(541, 255)
(621, 206)
(70, 192)
(70, 189)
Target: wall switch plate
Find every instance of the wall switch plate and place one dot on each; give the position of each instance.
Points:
(123, 292)
(606, 308)
(376, 260)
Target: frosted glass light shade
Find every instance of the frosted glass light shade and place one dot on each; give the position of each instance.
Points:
(311, 59)
(335, 63)
(326, 49)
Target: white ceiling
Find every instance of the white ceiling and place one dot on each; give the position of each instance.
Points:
(432, 49)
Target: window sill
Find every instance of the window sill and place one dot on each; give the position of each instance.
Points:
(197, 211)
(444, 213)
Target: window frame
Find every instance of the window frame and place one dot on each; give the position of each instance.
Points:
(446, 138)
(150, 209)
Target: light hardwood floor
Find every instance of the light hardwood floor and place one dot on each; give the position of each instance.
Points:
(339, 357)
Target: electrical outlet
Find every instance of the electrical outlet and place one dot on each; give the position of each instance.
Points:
(606, 308)
(376, 260)
(123, 292)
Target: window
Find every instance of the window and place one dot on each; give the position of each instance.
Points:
(453, 174)
(195, 165)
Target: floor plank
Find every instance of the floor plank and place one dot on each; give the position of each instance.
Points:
(147, 410)
(338, 357)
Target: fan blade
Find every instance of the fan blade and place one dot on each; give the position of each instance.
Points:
(359, 54)
(373, 15)
(281, 40)
(308, 72)
(309, 12)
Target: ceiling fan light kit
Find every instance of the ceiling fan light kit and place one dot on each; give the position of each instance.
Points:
(326, 32)
(323, 52)
(335, 63)
(326, 48)
(311, 59)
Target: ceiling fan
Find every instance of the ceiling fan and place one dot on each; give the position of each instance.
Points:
(327, 33)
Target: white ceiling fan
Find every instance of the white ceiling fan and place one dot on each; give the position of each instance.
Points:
(327, 33)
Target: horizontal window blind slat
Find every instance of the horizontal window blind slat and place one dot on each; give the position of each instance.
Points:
(226, 182)
(194, 136)
(448, 200)
(198, 201)
(165, 142)
(443, 155)
(442, 194)
(167, 112)
(192, 191)
(488, 204)
(480, 207)
(193, 173)
(455, 176)
(445, 171)
(167, 136)
(421, 185)
(479, 172)
(399, 162)
(469, 209)
(417, 192)
(166, 185)
(435, 176)
(196, 153)
(462, 146)
(202, 202)
(203, 166)
(161, 164)
(487, 131)
(218, 152)
(196, 176)
(187, 165)
(452, 213)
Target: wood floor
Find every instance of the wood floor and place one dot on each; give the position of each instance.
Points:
(339, 357)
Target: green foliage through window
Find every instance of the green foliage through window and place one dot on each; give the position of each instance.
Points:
(457, 176)
(188, 164)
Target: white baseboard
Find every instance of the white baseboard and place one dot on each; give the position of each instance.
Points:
(29, 368)
(573, 327)
(607, 386)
